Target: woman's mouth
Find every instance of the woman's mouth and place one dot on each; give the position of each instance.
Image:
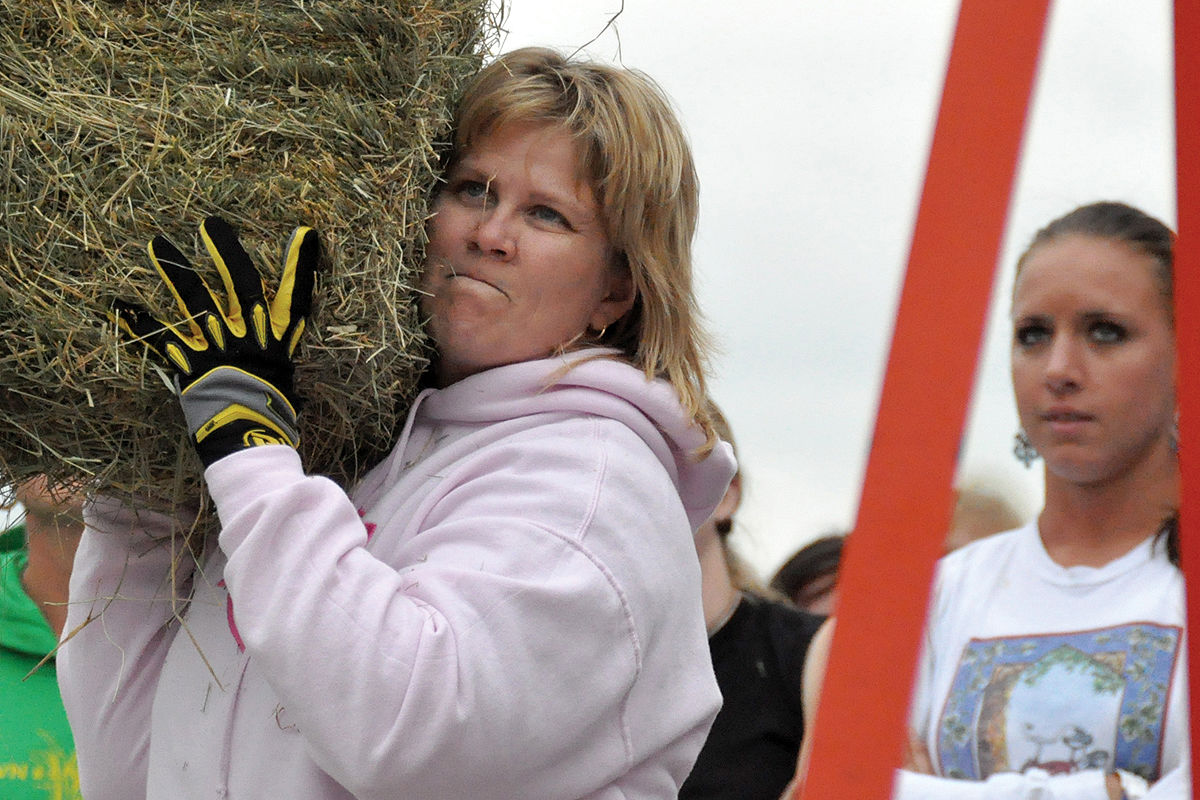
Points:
(1066, 422)
(1066, 416)
(453, 275)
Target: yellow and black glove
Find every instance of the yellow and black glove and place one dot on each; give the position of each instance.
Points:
(233, 362)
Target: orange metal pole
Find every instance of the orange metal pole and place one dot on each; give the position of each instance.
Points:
(1187, 325)
(906, 500)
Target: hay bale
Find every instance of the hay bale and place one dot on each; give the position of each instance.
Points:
(119, 120)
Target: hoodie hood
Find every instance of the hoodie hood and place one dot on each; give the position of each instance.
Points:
(593, 382)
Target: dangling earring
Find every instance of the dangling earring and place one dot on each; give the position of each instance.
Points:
(1023, 449)
(600, 336)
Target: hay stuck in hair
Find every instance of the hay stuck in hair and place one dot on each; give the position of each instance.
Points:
(122, 120)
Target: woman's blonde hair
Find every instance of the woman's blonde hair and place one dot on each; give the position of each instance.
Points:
(637, 158)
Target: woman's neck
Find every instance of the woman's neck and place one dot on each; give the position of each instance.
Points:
(717, 592)
(1084, 525)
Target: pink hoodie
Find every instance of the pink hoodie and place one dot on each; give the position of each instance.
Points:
(507, 607)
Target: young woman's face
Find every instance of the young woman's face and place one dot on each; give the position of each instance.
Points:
(1093, 358)
(519, 262)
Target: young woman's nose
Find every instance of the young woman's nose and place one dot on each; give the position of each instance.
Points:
(495, 233)
(1063, 365)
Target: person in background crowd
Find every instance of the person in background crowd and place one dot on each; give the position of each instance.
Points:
(508, 606)
(979, 511)
(37, 753)
(758, 644)
(809, 577)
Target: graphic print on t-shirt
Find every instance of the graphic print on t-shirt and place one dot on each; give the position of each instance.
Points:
(1060, 702)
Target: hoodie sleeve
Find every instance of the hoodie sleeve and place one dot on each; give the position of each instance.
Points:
(124, 582)
(503, 652)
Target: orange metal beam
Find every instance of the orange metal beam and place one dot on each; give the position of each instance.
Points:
(1187, 324)
(906, 500)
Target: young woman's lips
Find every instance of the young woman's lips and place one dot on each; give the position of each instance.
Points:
(1066, 421)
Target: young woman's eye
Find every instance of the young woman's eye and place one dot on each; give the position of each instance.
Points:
(1107, 332)
(1030, 335)
(548, 215)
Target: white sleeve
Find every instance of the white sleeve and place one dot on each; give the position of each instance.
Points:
(122, 597)
(498, 653)
(1175, 785)
(1032, 785)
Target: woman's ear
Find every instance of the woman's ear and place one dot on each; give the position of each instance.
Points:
(617, 300)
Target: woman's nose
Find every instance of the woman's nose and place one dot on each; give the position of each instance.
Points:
(1063, 366)
(494, 233)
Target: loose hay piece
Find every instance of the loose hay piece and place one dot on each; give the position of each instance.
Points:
(122, 120)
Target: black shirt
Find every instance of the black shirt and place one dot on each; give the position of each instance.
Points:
(758, 657)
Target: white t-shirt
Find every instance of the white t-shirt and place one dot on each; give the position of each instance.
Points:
(1037, 680)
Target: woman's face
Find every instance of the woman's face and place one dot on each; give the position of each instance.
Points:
(1093, 358)
(519, 261)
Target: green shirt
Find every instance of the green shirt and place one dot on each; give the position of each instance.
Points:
(37, 753)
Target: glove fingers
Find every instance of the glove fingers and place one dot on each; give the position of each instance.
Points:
(243, 284)
(136, 322)
(190, 291)
(293, 301)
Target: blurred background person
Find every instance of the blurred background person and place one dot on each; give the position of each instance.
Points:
(809, 578)
(37, 753)
(758, 643)
(980, 510)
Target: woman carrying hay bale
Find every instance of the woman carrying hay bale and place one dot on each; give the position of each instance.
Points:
(509, 604)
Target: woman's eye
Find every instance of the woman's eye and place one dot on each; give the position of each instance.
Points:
(547, 214)
(1107, 333)
(1029, 335)
(471, 190)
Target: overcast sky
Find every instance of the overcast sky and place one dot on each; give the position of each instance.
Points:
(811, 124)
